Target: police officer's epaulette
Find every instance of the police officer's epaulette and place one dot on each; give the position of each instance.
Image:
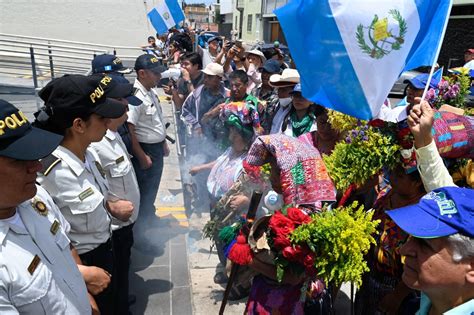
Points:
(48, 163)
(135, 91)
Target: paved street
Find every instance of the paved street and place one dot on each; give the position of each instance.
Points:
(175, 275)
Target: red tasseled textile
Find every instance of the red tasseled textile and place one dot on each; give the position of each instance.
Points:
(240, 253)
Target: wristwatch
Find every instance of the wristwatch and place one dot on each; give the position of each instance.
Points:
(188, 82)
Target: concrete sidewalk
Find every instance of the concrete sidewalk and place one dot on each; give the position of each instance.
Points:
(176, 275)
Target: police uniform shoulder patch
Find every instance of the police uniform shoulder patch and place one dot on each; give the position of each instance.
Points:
(100, 169)
(48, 163)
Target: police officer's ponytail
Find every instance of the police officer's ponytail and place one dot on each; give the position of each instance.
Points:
(58, 121)
(43, 121)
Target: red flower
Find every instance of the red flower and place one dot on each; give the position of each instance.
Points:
(281, 241)
(281, 227)
(298, 216)
(377, 123)
(296, 253)
(402, 133)
(280, 224)
(308, 261)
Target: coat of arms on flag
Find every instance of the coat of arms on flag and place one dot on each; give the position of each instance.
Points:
(165, 15)
(381, 39)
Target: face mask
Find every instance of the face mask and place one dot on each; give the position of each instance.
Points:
(285, 101)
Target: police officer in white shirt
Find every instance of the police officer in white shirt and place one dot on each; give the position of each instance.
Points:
(148, 134)
(76, 107)
(38, 274)
(123, 184)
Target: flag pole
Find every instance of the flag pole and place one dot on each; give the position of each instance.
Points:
(438, 49)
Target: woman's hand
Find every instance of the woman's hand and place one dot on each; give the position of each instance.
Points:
(270, 272)
(239, 202)
(195, 170)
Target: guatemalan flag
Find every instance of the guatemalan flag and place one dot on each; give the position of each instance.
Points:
(349, 53)
(165, 15)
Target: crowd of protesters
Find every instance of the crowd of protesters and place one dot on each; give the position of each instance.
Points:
(101, 142)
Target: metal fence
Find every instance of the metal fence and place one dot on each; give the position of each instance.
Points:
(46, 58)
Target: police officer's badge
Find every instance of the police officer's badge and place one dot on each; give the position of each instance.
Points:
(39, 206)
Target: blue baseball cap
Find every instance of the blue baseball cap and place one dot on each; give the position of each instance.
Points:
(296, 89)
(271, 66)
(419, 82)
(213, 38)
(108, 63)
(442, 212)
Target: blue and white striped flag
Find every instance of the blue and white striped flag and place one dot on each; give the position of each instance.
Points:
(165, 15)
(349, 53)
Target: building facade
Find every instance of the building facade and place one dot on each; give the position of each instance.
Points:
(248, 20)
(271, 28)
(226, 18)
(197, 15)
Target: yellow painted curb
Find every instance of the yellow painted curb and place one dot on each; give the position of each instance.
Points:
(169, 209)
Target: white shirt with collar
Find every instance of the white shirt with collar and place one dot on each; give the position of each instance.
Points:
(52, 286)
(147, 117)
(120, 174)
(80, 191)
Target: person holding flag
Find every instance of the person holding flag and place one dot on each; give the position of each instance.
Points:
(166, 15)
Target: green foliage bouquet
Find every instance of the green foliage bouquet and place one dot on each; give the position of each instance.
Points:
(339, 239)
(363, 154)
(342, 122)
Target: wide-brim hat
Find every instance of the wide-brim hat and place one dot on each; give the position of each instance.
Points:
(256, 52)
(214, 69)
(288, 77)
(21, 141)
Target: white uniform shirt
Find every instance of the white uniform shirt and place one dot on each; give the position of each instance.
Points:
(147, 117)
(80, 191)
(120, 174)
(55, 285)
